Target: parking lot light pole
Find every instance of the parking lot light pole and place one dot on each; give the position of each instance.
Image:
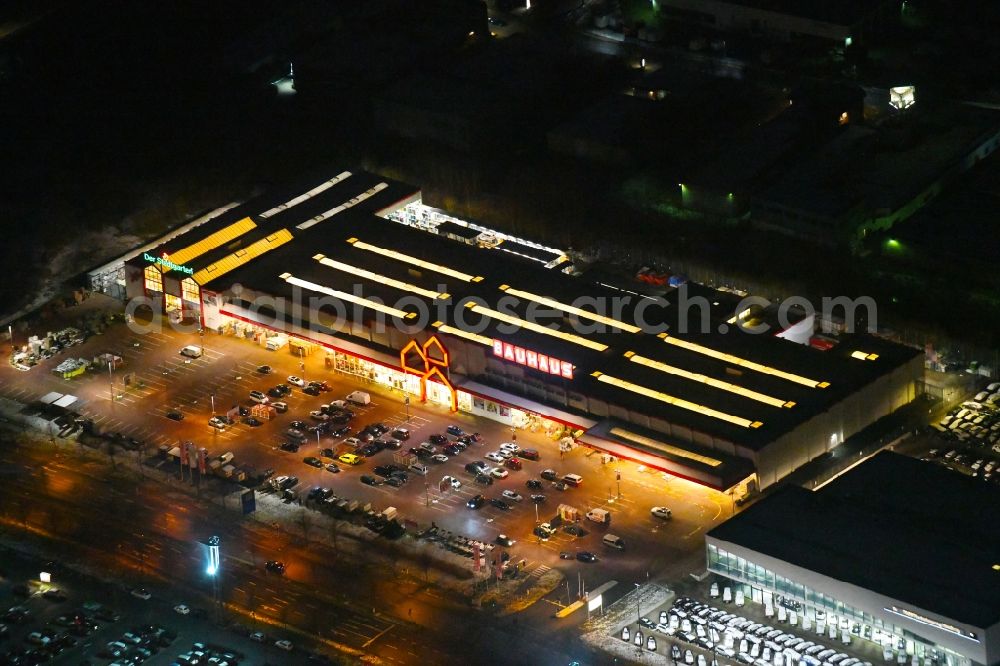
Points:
(111, 382)
(212, 396)
(618, 478)
(637, 613)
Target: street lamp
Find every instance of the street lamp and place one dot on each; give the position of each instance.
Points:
(111, 382)
(618, 478)
(637, 613)
(212, 396)
(406, 403)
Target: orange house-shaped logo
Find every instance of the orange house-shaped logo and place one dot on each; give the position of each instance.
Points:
(424, 355)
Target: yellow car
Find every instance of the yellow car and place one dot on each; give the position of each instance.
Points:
(350, 459)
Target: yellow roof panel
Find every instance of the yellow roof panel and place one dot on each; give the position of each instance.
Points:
(219, 238)
(242, 256)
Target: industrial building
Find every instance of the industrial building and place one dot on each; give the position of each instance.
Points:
(896, 551)
(355, 267)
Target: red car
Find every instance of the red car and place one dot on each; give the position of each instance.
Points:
(529, 454)
(514, 463)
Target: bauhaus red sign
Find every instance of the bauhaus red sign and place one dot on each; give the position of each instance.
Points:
(532, 359)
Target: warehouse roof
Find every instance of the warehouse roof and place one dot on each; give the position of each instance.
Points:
(910, 530)
(748, 389)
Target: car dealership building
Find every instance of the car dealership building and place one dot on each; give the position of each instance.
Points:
(355, 268)
(896, 551)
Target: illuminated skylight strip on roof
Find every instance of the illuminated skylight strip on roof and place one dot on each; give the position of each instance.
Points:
(579, 312)
(742, 362)
(242, 256)
(350, 203)
(708, 381)
(219, 238)
(426, 265)
(537, 328)
(676, 402)
(319, 189)
(457, 332)
(381, 279)
(664, 447)
(863, 356)
(350, 298)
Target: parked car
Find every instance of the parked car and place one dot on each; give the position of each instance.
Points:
(264, 369)
(476, 502)
(297, 381)
(313, 461)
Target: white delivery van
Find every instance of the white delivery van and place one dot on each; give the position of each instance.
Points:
(359, 398)
(601, 516)
(276, 342)
(191, 351)
(419, 469)
(613, 541)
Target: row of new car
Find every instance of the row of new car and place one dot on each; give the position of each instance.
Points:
(751, 643)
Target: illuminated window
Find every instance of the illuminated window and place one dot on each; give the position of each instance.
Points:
(741, 362)
(537, 328)
(863, 356)
(348, 298)
(570, 309)
(414, 261)
(379, 279)
(154, 279)
(190, 291)
(708, 381)
(675, 401)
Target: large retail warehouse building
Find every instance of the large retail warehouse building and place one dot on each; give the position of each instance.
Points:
(720, 409)
(896, 551)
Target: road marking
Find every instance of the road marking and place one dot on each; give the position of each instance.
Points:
(378, 635)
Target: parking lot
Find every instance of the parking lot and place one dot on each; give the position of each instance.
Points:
(967, 438)
(162, 380)
(77, 619)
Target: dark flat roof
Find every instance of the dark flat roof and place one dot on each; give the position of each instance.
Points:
(845, 12)
(910, 530)
(496, 267)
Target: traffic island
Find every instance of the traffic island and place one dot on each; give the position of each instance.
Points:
(513, 596)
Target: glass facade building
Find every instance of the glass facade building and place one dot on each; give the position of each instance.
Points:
(764, 586)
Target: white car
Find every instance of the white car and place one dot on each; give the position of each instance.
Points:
(512, 495)
(499, 473)
(661, 512)
(284, 645)
(439, 457)
(506, 454)
(141, 593)
(510, 446)
(494, 456)
(455, 483)
(181, 609)
(298, 381)
(319, 416)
